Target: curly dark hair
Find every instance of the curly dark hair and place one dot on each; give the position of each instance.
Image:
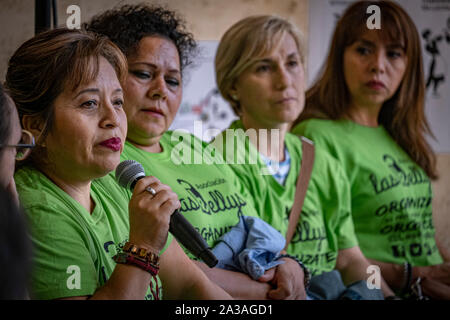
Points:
(127, 25)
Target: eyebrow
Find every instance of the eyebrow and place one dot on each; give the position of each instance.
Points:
(154, 66)
(366, 42)
(396, 46)
(268, 60)
(294, 55)
(391, 46)
(95, 90)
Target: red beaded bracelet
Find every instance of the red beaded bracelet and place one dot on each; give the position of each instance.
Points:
(128, 258)
(142, 253)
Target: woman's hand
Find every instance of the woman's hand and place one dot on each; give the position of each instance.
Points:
(436, 280)
(440, 273)
(150, 215)
(435, 289)
(287, 279)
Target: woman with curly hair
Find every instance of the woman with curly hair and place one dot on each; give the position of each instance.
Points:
(158, 49)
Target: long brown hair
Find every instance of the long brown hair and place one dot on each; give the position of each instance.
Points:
(403, 115)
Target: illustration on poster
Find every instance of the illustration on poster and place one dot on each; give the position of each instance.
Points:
(436, 76)
(210, 109)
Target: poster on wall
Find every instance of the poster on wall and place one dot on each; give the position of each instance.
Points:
(203, 112)
(432, 18)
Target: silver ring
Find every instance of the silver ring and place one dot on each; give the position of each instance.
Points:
(151, 190)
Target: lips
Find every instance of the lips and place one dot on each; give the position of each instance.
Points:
(114, 144)
(375, 85)
(154, 112)
(286, 100)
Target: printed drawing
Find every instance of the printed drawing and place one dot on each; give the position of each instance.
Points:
(436, 73)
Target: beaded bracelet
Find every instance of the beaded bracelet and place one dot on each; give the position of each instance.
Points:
(139, 257)
(307, 274)
(127, 258)
(142, 253)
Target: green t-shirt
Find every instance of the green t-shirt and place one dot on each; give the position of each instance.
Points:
(72, 248)
(391, 195)
(325, 224)
(212, 198)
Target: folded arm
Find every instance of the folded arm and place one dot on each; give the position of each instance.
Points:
(239, 285)
(353, 267)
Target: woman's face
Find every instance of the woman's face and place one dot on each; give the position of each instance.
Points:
(373, 70)
(89, 128)
(8, 154)
(271, 91)
(153, 90)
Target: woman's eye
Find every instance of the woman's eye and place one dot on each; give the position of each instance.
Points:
(262, 68)
(394, 54)
(173, 82)
(363, 50)
(141, 74)
(293, 63)
(89, 104)
(119, 103)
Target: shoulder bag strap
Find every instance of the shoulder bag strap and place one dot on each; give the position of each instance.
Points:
(302, 185)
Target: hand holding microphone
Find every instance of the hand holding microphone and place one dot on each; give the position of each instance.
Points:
(130, 174)
(150, 214)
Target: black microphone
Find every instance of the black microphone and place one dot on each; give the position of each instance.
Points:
(128, 173)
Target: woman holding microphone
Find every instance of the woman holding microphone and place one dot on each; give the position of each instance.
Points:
(89, 242)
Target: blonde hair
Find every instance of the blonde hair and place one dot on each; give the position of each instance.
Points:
(246, 41)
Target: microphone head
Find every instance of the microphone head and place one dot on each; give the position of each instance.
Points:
(128, 172)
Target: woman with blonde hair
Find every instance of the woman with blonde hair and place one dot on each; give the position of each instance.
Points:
(367, 110)
(259, 71)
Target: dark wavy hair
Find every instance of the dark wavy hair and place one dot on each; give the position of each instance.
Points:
(127, 25)
(403, 115)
